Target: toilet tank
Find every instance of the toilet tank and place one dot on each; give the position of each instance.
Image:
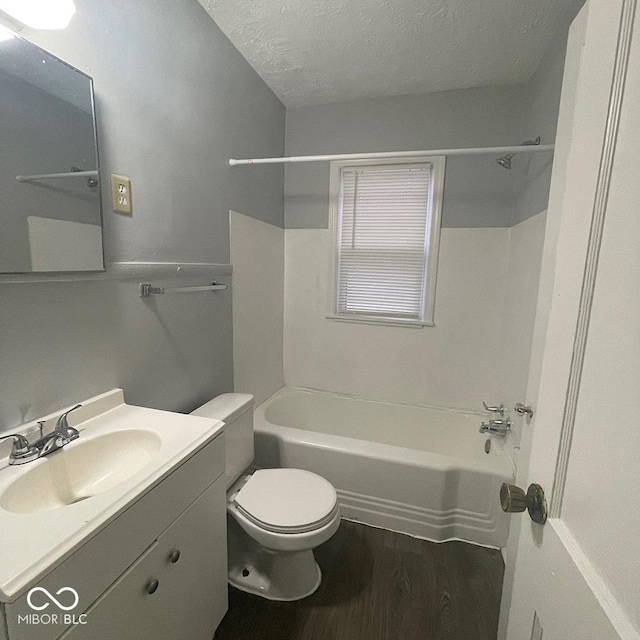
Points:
(236, 411)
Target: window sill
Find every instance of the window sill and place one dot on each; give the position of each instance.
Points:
(387, 322)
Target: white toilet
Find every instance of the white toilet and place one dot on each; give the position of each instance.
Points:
(276, 517)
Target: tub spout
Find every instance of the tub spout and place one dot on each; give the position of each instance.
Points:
(496, 427)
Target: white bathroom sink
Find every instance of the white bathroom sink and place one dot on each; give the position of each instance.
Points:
(50, 506)
(80, 471)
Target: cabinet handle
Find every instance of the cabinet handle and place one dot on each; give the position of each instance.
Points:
(152, 586)
(175, 556)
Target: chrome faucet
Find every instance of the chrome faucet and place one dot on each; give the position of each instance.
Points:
(496, 427)
(23, 451)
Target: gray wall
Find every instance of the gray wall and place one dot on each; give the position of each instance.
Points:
(540, 106)
(541, 103)
(50, 136)
(478, 193)
(175, 101)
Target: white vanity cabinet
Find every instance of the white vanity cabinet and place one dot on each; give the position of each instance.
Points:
(156, 572)
(174, 590)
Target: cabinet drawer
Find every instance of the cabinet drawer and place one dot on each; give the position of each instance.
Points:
(177, 590)
(102, 559)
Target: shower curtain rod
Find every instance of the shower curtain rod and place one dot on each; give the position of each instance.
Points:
(398, 154)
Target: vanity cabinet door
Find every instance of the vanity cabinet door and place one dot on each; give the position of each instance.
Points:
(177, 590)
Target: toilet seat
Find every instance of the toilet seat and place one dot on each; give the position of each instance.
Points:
(287, 500)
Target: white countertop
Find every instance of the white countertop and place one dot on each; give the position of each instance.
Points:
(31, 544)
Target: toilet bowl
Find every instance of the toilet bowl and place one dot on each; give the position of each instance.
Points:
(276, 517)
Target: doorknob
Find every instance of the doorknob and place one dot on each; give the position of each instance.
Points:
(514, 500)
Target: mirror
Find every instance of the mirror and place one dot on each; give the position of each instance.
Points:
(50, 219)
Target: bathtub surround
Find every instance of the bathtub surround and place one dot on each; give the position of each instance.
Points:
(490, 248)
(175, 100)
(480, 345)
(446, 365)
(520, 302)
(257, 256)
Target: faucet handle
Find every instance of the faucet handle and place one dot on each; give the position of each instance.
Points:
(20, 443)
(62, 425)
(21, 451)
(499, 409)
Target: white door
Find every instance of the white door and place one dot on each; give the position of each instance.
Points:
(578, 574)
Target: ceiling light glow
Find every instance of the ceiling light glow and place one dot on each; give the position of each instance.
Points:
(40, 14)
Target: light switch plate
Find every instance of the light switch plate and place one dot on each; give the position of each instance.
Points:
(120, 194)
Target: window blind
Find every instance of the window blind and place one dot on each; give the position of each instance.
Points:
(382, 241)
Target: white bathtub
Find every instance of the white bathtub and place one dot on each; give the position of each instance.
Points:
(417, 470)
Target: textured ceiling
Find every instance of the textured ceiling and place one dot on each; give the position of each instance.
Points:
(321, 51)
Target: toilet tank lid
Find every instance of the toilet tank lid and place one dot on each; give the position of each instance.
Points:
(225, 407)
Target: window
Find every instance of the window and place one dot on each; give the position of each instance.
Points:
(385, 218)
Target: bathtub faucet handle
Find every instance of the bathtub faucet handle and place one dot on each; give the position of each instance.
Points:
(499, 409)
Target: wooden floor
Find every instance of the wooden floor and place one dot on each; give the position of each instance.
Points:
(379, 585)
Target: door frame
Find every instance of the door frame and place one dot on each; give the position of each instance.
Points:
(605, 173)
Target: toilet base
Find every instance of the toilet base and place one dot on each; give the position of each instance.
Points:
(283, 576)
